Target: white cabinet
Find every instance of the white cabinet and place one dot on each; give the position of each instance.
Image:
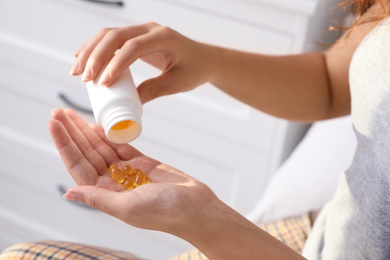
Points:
(205, 133)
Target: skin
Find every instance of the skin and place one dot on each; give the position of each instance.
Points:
(173, 202)
(304, 87)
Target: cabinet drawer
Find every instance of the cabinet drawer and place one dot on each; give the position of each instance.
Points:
(27, 112)
(69, 24)
(36, 71)
(208, 25)
(63, 25)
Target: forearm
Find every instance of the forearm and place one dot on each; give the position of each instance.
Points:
(221, 233)
(294, 87)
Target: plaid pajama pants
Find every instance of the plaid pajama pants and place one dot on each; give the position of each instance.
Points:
(292, 231)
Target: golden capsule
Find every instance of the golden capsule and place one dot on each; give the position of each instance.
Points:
(127, 169)
(122, 125)
(113, 166)
(117, 175)
(140, 177)
(129, 181)
(127, 176)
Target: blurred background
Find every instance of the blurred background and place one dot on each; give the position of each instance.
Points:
(233, 148)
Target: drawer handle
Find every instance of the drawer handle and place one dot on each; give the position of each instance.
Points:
(73, 105)
(61, 189)
(107, 2)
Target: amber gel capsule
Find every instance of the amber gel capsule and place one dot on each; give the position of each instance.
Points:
(113, 166)
(140, 177)
(127, 169)
(117, 108)
(129, 181)
(117, 175)
(128, 177)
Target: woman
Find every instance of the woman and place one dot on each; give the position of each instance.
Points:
(305, 87)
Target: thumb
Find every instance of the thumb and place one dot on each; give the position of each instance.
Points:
(166, 84)
(95, 197)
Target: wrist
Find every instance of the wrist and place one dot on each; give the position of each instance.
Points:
(219, 232)
(209, 60)
(198, 221)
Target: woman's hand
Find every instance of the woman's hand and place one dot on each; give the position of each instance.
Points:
(173, 202)
(169, 201)
(185, 64)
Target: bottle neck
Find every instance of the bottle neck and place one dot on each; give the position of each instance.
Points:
(122, 134)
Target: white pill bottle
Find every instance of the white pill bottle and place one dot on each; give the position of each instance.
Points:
(117, 108)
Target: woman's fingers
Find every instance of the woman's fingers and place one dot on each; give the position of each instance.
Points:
(102, 52)
(78, 137)
(78, 166)
(101, 146)
(108, 201)
(131, 155)
(98, 51)
(85, 51)
(125, 152)
(117, 48)
(166, 84)
(181, 60)
(154, 39)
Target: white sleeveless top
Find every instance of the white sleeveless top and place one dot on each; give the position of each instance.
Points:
(355, 224)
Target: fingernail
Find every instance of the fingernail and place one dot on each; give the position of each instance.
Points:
(53, 111)
(76, 53)
(87, 75)
(105, 78)
(72, 196)
(75, 68)
(49, 123)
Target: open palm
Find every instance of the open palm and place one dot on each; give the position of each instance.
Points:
(87, 154)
